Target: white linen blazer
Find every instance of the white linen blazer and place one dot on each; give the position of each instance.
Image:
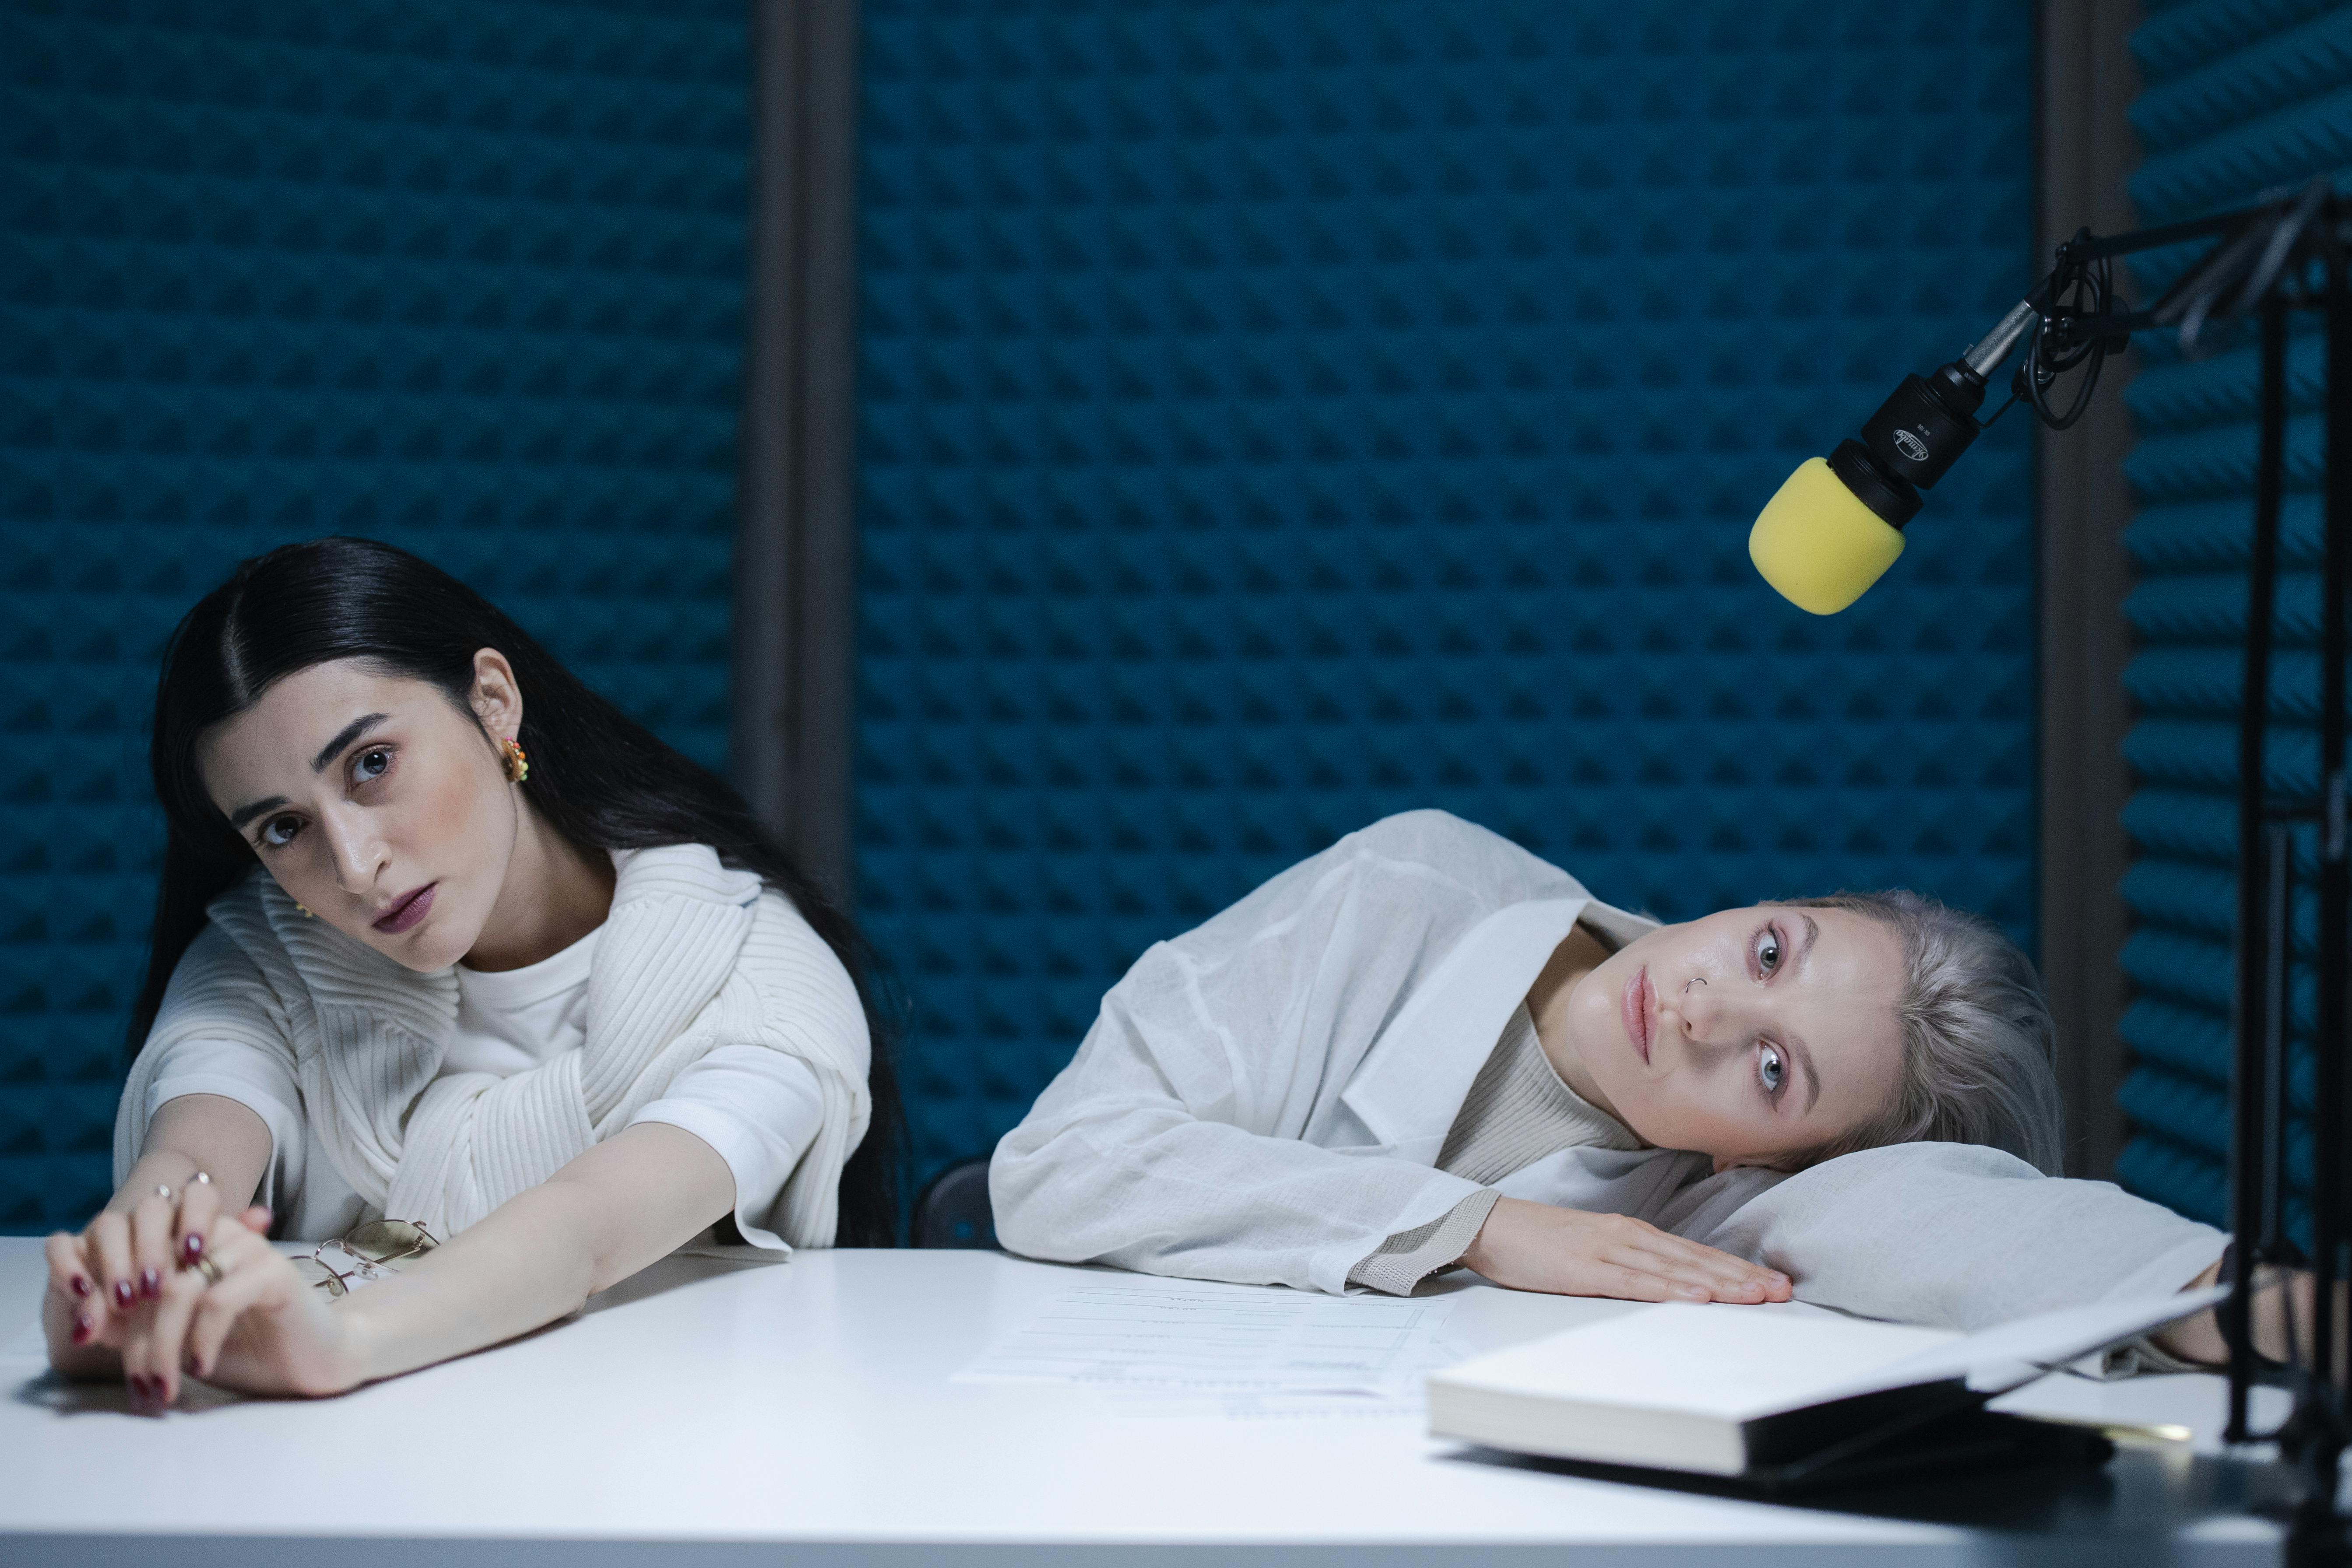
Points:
(1264, 1098)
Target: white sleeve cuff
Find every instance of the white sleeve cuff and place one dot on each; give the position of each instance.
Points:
(1408, 1256)
(285, 1122)
(759, 1109)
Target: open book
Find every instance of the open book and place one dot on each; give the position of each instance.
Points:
(1722, 1389)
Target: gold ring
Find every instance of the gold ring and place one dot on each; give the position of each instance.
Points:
(208, 1268)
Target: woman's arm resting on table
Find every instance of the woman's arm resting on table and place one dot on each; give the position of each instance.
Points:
(630, 1201)
(99, 1293)
(623, 1204)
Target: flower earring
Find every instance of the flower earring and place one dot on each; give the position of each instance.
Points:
(518, 765)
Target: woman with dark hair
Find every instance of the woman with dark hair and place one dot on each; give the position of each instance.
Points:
(452, 956)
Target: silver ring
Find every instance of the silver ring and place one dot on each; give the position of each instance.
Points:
(163, 1193)
(202, 1179)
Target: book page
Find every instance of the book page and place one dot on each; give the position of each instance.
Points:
(1734, 1362)
(2012, 1355)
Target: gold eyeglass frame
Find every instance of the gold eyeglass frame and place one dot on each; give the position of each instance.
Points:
(375, 1248)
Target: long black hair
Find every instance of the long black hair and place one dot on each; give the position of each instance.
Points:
(601, 779)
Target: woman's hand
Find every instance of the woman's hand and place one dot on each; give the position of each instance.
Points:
(104, 1283)
(260, 1327)
(1536, 1247)
(2277, 1294)
(257, 1327)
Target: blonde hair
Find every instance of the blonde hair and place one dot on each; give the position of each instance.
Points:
(1975, 1033)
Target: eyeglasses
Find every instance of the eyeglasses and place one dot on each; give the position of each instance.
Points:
(364, 1254)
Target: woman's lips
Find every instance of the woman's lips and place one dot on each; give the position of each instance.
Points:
(403, 915)
(1635, 1006)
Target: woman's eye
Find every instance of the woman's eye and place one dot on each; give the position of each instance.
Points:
(1768, 951)
(279, 831)
(373, 763)
(1771, 1068)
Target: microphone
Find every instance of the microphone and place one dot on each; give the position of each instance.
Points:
(1836, 526)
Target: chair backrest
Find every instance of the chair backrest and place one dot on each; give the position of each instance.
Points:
(953, 1209)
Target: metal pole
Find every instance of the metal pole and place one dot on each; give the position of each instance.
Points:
(2278, 844)
(2253, 945)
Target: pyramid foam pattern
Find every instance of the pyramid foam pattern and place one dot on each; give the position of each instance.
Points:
(464, 276)
(2243, 97)
(1277, 415)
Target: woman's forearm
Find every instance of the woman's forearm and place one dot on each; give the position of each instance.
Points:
(538, 1256)
(2282, 1319)
(207, 1132)
(523, 1266)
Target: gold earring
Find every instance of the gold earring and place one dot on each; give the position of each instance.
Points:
(518, 765)
(306, 911)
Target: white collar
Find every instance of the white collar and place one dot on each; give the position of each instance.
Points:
(1411, 1084)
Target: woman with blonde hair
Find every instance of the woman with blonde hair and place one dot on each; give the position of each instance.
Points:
(1426, 1047)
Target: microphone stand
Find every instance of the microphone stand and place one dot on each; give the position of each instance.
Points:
(2263, 263)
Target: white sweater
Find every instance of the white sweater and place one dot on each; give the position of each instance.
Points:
(692, 957)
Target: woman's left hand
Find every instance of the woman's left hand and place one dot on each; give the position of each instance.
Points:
(259, 1328)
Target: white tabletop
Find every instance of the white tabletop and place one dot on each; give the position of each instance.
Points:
(804, 1413)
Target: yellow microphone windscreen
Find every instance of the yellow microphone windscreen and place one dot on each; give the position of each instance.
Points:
(1816, 543)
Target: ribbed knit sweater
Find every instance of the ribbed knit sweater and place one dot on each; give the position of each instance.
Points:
(1517, 1111)
(693, 956)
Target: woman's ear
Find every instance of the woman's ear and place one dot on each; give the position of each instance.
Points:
(496, 700)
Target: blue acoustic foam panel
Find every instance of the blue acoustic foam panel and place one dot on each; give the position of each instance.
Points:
(2243, 96)
(1277, 415)
(464, 276)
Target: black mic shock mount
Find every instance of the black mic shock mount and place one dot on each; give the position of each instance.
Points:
(1920, 432)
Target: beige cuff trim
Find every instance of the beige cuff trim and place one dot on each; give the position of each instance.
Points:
(1408, 1256)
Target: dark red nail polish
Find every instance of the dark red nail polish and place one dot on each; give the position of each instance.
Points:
(80, 1286)
(151, 1284)
(83, 1328)
(193, 1248)
(122, 1292)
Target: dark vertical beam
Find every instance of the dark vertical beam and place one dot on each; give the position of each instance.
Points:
(2250, 997)
(2086, 80)
(796, 539)
(2327, 1208)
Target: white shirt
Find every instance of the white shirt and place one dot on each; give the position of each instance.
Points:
(759, 1109)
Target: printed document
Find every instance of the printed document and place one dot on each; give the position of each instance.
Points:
(1180, 1337)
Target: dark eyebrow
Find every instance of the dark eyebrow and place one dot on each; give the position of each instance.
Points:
(344, 737)
(1796, 1047)
(240, 818)
(326, 754)
(1805, 1060)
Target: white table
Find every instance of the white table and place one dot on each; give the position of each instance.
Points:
(803, 1414)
